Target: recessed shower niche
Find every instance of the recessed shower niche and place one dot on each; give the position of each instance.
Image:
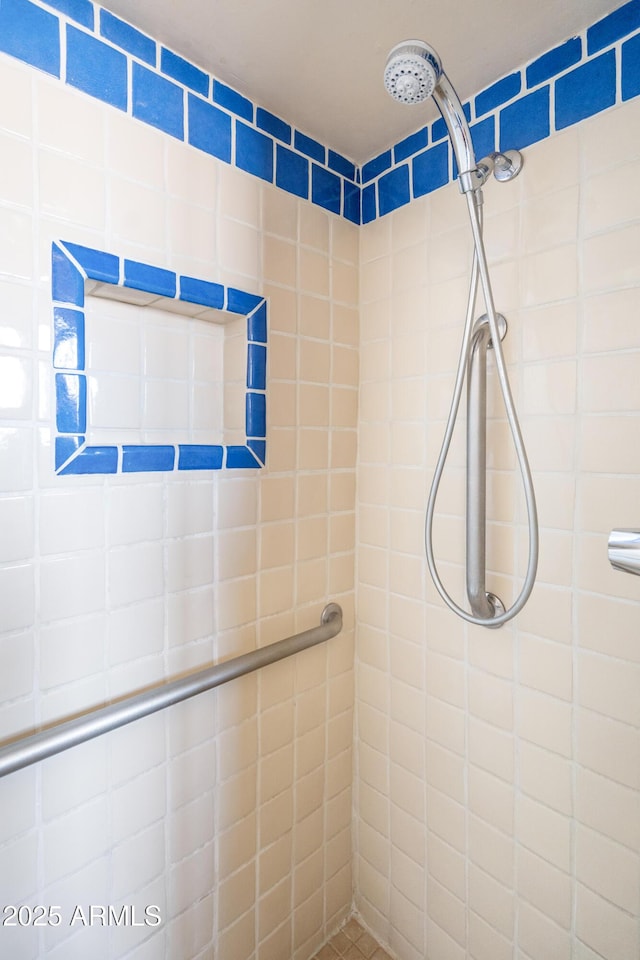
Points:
(154, 371)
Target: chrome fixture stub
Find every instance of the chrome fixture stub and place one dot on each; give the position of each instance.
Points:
(624, 550)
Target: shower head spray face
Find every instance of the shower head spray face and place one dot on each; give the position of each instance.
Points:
(412, 71)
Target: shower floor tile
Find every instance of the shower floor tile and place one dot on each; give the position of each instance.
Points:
(352, 942)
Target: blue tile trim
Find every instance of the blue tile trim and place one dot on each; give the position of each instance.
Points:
(631, 68)
(241, 458)
(240, 302)
(369, 203)
(68, 339)
(209, 128)
(554, 62)
(586, 90)
(498, 93)
(256, 366)
(184, 72)
(32, 34)
(113, 61)
(292, 172)
(157, 101)
(413, 144)
(341, 165)
(254, 152)
(147, 458)
(142, 276)
(430, 169)
(563, 86)
(225, 96)
(310, 147)
(376, 166)
(620, 23)
(257, 324)
(393, 189)
(525, 121)
(273, 125)
(71, 403)
(74, 459)
(194, 456)
(326, 189)
(79, 10)
(352, 208)
(483, 136)
(204, 292)
(127, 37)
(73, 264)
(96, 68)
(438, 130)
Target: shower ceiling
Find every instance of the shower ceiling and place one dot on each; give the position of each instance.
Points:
(319, 63)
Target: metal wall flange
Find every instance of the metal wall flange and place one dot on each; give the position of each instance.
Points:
(483, 322)
(497, 607)
(507, 165)
(330, 612)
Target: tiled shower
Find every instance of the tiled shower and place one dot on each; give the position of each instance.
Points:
(227, 354)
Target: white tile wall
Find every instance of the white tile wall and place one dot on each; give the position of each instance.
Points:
(230, 812)
(531, 731)
(487, 766)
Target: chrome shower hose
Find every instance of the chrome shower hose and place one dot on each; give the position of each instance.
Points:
(480, 269)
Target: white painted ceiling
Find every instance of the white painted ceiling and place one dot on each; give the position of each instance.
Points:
(318, 64)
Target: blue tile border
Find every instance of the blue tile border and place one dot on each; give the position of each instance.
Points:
(569, 83)
(133, 72)
(88, 47)
(72, 265)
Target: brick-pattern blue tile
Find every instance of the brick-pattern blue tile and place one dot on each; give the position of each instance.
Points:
(393, 189)
(310, 147)
(412, 144)
(127, 37)
(97, 68)
(554, 62)
(498, 93)
(71, 265)
(430, 169)
(525, 121)
(579, 76)
(631, 68)
(620, 23)
(586, 90)
(30, 34)
(273, 125)
(184, 72)
(292, 172)
(158, 102)
(325, 189)
(254, 152)
(209, 128)
(81, 11)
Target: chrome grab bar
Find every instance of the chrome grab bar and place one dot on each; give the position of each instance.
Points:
(21, 753)
(624, 550)
(483, 604)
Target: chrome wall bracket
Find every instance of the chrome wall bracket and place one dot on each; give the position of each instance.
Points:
(504, 166)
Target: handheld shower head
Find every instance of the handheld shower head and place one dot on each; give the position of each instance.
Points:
(412, 71)
(413, 74)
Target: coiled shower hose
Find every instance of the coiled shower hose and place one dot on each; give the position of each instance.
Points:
(480, 269)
